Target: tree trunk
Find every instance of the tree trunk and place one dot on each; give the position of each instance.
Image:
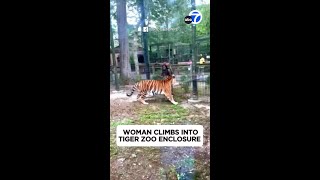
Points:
(135, 54)
(125, 67)
(115, 69)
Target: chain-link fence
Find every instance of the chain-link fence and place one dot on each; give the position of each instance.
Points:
(185, 79)
(183, 76)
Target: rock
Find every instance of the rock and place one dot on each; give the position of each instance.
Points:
(133, 155)
(121, 160)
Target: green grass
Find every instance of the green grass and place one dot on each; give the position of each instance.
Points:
(113, 143)
(125, 122)
(164, 114)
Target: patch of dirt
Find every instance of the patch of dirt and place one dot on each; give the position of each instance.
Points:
(165, 163)
(120, 109)
(136, 163)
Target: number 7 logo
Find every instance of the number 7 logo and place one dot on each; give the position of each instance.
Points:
(196, 16)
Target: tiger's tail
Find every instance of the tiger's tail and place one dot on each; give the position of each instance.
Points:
(132, 90)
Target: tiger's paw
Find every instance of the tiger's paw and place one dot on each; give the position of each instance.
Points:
(145, 103)
(175, 103)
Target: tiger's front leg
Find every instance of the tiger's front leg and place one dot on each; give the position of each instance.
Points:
(170, 98)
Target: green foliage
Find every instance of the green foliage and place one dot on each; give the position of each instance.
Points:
(169, 13)
(203, 28)
(138, 78)
(185, 83)
(157, 75)
(131, 59)
(184, 70)
(172, 13)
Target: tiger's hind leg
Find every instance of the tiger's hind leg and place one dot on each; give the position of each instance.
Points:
(150, 94)
(138, 96)
(141, 97)
(170, 98)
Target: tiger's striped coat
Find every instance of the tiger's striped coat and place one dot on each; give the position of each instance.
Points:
(156, 87)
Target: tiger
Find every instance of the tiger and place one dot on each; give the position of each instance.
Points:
(165, 75)
(156, 87)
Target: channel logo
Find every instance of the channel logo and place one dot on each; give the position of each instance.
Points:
(188, 19)
(196, 16)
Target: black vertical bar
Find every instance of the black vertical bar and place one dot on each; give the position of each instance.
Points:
(194, 58)
(145, 40)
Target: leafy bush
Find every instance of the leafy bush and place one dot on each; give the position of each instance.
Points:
(157, 75)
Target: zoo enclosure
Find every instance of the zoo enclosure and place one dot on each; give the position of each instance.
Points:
(178, 55)
(183, 76)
